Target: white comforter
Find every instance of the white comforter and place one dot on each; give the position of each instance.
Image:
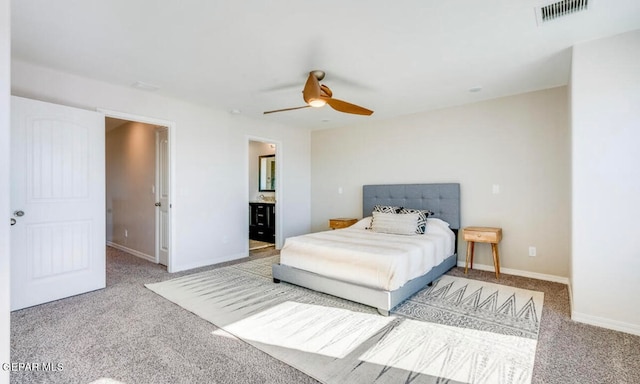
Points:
(377, 260)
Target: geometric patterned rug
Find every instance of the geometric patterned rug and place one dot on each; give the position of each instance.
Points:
(456, 331)
(477, 305)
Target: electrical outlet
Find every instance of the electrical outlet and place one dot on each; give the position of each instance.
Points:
(532, 251)
(126, 233)
(495, 189)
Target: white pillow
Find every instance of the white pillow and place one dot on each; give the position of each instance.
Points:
(437, 226)
(404, 224)
(362, 223)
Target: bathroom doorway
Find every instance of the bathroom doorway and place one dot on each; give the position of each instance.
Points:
(263, 186)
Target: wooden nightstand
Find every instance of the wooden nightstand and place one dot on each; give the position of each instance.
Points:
(482, 235)
(341, 222)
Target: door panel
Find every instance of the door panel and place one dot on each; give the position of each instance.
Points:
(57, 249)
(57, 181)
(57, 159)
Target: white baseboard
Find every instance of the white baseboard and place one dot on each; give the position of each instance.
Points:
(518, 272)
(208, 262)
(132, 251)
(621, 326)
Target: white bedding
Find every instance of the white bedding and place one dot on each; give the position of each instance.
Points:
(378, 260)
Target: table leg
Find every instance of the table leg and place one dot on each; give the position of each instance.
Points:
(469, 256)
(496, 259)
(473, 246)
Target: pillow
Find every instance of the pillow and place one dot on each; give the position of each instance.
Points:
(386, 208)
(394, 223)
(422, 219)
(437, 226)
(362, 223)
(437, 222)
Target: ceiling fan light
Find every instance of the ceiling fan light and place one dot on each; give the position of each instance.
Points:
(317, 103)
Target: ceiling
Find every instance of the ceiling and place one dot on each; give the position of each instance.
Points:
(395, 58)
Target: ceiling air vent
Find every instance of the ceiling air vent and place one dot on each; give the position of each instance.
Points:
(562, 8)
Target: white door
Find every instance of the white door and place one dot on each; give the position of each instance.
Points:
(57, 202)
(162, 196)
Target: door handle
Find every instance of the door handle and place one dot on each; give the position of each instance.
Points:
(13, 221)
(18, 213)
(158, 204)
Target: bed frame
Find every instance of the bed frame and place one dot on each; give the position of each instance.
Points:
(441, 199)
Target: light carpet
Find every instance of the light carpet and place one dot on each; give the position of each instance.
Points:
(457, 330)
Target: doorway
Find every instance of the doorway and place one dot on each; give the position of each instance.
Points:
(263, 186)
(138, 186)
(58, 196)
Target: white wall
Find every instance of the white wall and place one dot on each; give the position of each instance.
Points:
(520, 143)
(5, 84)
(606, 182)
(130, 177)
(210, 210)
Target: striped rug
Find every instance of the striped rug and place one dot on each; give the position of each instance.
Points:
(456, 331)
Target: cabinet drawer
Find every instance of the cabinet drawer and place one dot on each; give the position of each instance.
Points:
(261, 208)
(482, 234)
(260, 233)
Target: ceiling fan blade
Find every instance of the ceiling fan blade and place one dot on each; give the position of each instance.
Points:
(343, 106)
(325, 90)
(286, 109)
(311, 88)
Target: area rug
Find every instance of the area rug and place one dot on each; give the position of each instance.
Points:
(456, 331)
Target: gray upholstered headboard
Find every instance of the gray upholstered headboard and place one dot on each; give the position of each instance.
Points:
(442, 199)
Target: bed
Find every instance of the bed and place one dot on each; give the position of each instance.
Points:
(378, 269)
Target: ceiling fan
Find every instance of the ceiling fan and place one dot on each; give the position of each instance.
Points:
(317, 95)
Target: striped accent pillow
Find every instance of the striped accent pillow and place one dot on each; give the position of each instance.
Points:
(395, 224)
(384, 209)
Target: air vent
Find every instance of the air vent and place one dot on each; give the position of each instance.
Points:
(560, 9)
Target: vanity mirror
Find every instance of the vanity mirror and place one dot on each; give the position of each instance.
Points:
(267, 173)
